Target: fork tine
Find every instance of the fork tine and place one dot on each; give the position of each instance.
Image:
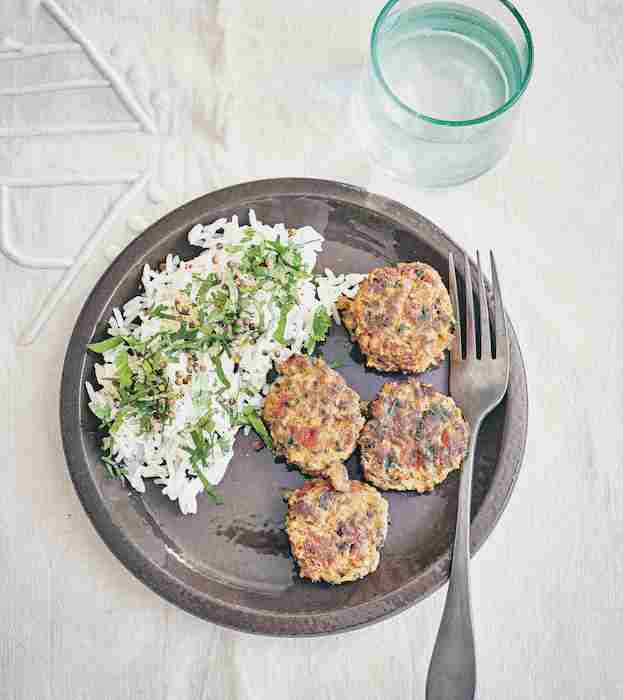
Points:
(501, 333)
(485, 329)
(470, 325)
(456, 351)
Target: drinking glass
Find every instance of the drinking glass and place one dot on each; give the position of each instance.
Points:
(441, 88)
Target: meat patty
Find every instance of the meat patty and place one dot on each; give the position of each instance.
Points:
(401, 317)
(415, 437)
(314, 418)
(336, 537)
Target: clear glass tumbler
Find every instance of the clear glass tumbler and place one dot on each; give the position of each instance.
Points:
(440, 90)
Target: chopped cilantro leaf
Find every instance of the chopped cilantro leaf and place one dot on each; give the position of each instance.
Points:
(105, 345)
(250, 416)
(115, 470)
(103, 412)
(121, 414)
(124, 373)
(281, 325)
(220, 373)
(207, 486)
(160, 311)
(200, 455)
(206, 285)
(320, 328)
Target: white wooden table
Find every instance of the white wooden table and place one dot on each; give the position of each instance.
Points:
(211, 81)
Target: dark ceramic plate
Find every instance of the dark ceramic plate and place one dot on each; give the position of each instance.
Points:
(230, 564)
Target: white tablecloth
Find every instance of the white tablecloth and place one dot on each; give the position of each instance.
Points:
(238, 90)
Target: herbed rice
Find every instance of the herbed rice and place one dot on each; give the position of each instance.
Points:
(195, 348)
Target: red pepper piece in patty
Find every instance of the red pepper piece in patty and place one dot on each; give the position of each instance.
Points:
(306, 436)
(279, 408)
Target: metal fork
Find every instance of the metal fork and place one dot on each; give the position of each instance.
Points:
(477, 384)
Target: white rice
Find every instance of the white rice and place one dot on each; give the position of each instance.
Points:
(160, 454)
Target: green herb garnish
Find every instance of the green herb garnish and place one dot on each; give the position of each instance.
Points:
(390, 463)
(206, 285)
(103, 412)
(250, 416)
(116, 424)
(320, 328)
(393, 406)
(116, 471)
(200, 456)
(336, 364)
(124, 373)
(424, 314)
(438, 411)
(220, 373)
(105, 345)
(281, 325)
(161, 311)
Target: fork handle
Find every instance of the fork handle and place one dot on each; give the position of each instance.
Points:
(452, 670)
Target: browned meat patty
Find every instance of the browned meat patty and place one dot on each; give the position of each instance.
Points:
(336, 537)
(314, 418)
(401, 317)
(414, 438)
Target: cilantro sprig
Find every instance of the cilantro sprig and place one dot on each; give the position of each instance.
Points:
(106, 345)
(250, 416)
(320, 328)
(279, 334)
(199, 456)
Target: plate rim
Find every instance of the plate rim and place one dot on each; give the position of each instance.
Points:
(162, 581)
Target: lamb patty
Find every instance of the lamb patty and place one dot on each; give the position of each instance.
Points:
(336, 537)
(314, 418)
(401, 317)
(414, 438)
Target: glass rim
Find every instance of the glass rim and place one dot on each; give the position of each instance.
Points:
(454, 122)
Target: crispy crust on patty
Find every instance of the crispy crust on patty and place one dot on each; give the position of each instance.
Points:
(314, 418)
(414, 438)
(336, 537)
(401, 317)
